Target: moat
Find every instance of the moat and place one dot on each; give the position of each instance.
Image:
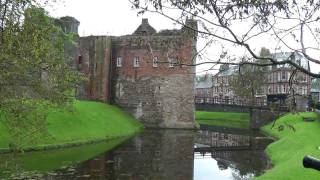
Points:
(161, 154)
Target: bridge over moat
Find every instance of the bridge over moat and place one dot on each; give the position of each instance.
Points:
(262, 112)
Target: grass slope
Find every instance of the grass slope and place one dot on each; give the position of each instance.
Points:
(43, 161)
(287, 153)
(89, 121)
(226, 119)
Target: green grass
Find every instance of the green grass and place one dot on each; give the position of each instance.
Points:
(287, 153)
(89, 121)
(44, 161)
(225, 119)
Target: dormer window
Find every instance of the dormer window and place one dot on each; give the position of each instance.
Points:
(155, 62)
(136, 62)
(119, 61)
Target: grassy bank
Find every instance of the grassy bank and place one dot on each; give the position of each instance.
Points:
(287, 153)
(45, 161)
(88, 122)
(225, 119)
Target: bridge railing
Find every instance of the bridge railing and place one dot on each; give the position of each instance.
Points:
(257, 103)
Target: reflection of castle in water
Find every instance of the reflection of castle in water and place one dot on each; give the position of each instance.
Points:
(156, 154)
(170, 154)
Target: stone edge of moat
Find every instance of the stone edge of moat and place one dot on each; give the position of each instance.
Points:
(68, 145)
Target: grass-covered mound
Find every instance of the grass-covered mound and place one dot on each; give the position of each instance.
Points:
(33, 163)
(296, 139)
(89, 121)
(225, 119)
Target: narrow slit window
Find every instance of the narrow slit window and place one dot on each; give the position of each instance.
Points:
(171, 62)
(155, 62)
(136, 62)
(119, 61)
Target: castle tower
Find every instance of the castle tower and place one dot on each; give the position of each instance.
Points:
(151, 79)
(145, 73)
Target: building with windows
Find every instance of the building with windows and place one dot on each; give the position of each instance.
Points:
(277, 88)
(204, 88)
(142, 73)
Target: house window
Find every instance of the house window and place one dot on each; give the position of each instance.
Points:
(171, 62)
(304, 90)
(304, 77)
(270, 78)
(283, 75)
(136, 62)
(155, 62)
(119, 61)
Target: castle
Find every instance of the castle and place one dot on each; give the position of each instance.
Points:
(148, 74)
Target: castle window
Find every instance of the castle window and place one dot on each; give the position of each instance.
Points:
(119, 61)
(80, 59)
(136, 62)
(171, 62)
(155, 62)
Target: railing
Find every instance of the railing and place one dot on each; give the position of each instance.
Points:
(258, 103)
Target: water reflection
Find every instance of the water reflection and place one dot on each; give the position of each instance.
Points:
(175, 154)
(156, 154)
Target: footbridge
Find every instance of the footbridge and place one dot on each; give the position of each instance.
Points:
(262, 112)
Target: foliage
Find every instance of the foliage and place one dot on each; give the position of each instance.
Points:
(34, 75)
(225, 119)
(287, 153)
(248, 81)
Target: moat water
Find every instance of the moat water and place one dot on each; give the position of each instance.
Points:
(151, 155)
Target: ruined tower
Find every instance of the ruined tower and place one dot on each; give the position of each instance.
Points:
(148, 74)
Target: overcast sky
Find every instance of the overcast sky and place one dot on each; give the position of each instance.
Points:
(107, 17)
(116, 17)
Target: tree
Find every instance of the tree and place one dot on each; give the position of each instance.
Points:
(34, 75)
(249, 80)
(291, 24)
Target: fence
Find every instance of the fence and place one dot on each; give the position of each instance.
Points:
(257, 103)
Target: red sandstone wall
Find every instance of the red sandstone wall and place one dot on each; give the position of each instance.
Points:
(182, 54)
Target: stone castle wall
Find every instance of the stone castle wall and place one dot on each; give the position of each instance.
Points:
(94, 61)
(162, 96)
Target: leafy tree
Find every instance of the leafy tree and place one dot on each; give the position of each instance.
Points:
(250, 79)
(34, 75)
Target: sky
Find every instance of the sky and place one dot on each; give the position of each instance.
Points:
(116, 17)
(107, 17)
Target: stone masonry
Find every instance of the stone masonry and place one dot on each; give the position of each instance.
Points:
(147, 73)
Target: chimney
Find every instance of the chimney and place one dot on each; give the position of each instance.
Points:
(145, 21)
